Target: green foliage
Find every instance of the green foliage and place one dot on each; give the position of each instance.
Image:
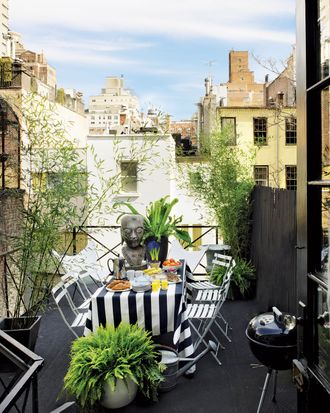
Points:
(110, 354)
(225, 183)
(58, 196)
(243, 274)
(53, 179)
(158, 222)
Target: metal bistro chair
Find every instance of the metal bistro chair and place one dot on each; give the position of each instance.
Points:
(78, 314)
(206, 315)
(192, 258)
(84, 266)
(207, 292)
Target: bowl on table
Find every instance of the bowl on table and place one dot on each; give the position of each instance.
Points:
(171, 265)
(141, 283)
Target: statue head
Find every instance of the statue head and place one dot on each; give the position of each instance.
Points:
(132, 229)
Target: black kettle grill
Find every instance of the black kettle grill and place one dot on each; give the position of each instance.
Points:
(273, 341)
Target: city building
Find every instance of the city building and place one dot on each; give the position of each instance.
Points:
(259, 116)
(115, 110)
(242, 90)
(4, 28)
(186, 128)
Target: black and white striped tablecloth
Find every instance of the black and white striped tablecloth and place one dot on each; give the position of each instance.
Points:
(159, 312)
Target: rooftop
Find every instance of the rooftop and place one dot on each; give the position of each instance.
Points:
(233, 387)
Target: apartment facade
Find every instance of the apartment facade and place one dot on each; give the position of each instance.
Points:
(270, 134)
(259, 116)
(115, 110)
(4, 22)
(242, 90)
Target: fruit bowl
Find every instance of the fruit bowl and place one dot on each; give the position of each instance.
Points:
(171, 265)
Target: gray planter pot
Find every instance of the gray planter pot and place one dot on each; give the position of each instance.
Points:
(123, 394)
(23, 329)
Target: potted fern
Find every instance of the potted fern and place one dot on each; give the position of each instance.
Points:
(159, 224)
(110, 365)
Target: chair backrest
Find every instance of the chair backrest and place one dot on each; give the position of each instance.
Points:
(59, 292)
(223, 292)
(222, 261)
(86, 260)
(193, 258)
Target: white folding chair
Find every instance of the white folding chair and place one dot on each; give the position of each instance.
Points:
(206, 314)
(77, 314)
(207, 292)
(84, 265)
(193, 258)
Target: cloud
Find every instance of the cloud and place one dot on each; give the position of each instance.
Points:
(186, 87)
(184, 18)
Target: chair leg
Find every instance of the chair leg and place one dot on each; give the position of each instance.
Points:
(201, 339)
(224, 332)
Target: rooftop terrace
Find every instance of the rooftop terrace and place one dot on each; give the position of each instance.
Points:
(233, 387)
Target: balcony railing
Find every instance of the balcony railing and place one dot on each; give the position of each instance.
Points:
(205, 234)
(16, 389)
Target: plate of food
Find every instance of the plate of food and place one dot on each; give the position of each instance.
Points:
(118, 286)
(173, 279)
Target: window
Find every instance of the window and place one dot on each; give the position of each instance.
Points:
(290, 131)
(291, 177)
(260, 131)
(228, 125)
(261, 175)
(128, 176)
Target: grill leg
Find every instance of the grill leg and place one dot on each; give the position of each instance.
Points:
(264, 389)
(275, 385)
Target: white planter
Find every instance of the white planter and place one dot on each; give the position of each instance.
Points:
(123, 394)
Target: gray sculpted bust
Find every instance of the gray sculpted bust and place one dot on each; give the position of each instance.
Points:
(132, 232)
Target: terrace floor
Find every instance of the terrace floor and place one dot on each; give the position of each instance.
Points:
(233, 387)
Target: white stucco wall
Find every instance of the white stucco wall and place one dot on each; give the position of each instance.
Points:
(157, 180)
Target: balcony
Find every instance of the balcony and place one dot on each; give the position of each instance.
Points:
(233, 387)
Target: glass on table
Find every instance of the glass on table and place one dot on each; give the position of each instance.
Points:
(155, 285)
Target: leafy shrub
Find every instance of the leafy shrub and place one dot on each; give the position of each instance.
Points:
(243, 274)
(110, 354)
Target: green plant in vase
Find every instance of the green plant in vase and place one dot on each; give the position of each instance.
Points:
(102, 360)
(159, 224)
(153, 249)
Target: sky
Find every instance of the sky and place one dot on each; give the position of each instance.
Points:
(164, 49)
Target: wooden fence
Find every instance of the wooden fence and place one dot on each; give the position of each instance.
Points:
(273, 247)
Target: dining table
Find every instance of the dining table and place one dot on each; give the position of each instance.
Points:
(160, 312)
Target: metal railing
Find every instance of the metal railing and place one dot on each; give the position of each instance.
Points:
(111, 251)
(25, 379)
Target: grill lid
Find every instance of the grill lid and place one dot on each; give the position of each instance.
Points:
(273, 328)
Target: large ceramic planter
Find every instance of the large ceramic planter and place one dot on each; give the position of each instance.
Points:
(123, 394)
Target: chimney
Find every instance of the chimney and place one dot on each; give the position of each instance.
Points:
(280, 98)
(207, 86)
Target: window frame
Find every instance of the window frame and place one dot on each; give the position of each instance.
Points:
(260, 140)
(293, 131)
(123, 186)
(288, 186)
(266, 168)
